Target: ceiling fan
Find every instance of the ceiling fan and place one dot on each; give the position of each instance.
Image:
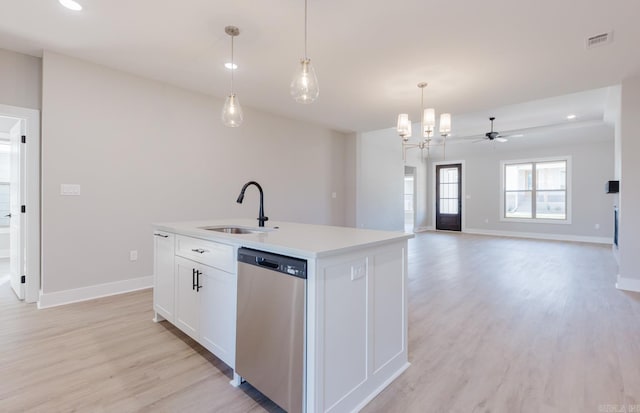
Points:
(493, 136)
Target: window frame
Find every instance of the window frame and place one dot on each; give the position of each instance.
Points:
(534, 190)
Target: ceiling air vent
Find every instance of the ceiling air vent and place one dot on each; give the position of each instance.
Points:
(599, 40)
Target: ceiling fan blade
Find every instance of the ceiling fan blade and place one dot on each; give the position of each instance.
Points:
(479, 140)
(501, 139)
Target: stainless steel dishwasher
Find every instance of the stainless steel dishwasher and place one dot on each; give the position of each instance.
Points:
(270, 332)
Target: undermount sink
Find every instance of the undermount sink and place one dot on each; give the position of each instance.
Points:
(236, 229)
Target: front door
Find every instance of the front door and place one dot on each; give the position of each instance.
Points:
(449, 197)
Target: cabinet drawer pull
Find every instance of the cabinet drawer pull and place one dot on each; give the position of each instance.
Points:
(198, 286)
(161, 235)
(198, 250)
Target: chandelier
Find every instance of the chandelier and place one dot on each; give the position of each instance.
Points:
(428, 127)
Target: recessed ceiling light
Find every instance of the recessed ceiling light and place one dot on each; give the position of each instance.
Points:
(71, 5)
(231, 66)
(571, 117)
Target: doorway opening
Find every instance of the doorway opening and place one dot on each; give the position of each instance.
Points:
(449, 197)
(409, 198)
(20, 201)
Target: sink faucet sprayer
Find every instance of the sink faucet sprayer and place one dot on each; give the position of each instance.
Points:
(261, 217)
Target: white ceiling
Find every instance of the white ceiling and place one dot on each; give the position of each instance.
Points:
(369, 55)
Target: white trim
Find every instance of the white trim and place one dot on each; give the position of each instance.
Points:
(5, 253)
(568, 190)
(31, 128)
(628, 284)
(432, 189)
(537, 235)
(380, 388)
(94, 291)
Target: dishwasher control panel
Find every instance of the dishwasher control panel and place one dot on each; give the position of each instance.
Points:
(274, 262)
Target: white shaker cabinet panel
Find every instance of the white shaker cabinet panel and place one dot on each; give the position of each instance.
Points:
(218, 314)
(187, 297)
(163, 283)
(388, 307)
(345, 329)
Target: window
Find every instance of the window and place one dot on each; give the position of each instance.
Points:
(536, 191)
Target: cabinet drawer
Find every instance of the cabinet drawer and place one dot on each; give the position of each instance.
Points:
(206, 252)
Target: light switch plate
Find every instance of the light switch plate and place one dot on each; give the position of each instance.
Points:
(70, 189)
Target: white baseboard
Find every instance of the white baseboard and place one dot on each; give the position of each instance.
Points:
(628, 284)
(94, 291)
(424, 229)
(537, 235)
(5, 253)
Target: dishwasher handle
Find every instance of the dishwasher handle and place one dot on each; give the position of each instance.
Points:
(263, 262)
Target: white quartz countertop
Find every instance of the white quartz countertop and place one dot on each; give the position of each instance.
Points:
(288, 238)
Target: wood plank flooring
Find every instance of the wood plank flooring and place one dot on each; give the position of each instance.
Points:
(495, 325)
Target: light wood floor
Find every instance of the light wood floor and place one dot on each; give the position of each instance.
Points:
(495, 325)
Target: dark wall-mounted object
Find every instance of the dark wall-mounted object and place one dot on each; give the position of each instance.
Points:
(613, 187)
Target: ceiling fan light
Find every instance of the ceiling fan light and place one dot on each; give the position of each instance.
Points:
(445, 123)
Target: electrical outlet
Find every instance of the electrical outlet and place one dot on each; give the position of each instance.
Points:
(597, 226)
(357, 272)
(486, 220)
(133, 255)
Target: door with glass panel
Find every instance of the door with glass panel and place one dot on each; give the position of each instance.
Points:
(449, 197)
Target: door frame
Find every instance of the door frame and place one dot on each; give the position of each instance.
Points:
(31, 184)
(432, 192)
(414, 174)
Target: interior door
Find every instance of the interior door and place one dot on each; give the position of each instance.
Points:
(449, 197)
(16, 229)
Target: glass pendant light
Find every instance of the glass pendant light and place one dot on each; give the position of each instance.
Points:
(231, 111)
(304, 86)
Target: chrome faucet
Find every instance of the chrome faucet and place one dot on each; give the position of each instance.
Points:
(261, 217)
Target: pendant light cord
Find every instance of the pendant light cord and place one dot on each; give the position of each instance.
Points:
(232, 68)
(305, 29)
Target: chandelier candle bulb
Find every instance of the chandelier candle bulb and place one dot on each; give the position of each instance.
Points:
(404, 126)
(445, 124)
(428, 122)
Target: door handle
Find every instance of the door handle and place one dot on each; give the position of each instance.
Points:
(193, 278)
(157, 235)
(8, 216)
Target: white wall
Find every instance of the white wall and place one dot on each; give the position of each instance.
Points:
(146, 152)
(20, 80)
(379, 181)
(592, 162)
(629, 259)
(380, 174)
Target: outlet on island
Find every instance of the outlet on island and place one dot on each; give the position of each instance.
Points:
(133, 255)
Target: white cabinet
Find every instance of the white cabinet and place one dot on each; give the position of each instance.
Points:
(357, 329)
(218, 311)
(187, 297)
(195, 289)
(163, 283)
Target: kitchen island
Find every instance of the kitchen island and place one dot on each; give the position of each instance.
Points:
(356, 301)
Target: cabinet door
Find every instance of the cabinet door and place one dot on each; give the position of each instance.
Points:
(218, 312)
(187, 298)
(163, 266)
